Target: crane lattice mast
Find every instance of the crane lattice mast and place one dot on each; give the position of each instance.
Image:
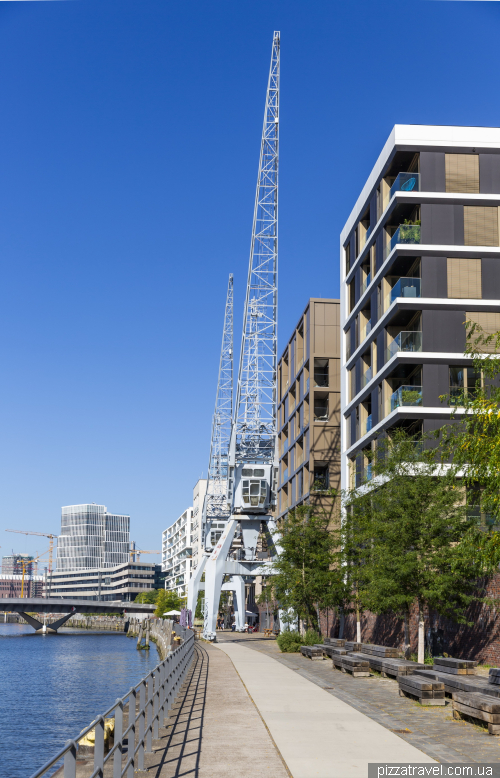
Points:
(215, 499)
(215, 503)
(254, 431)
(251, 492)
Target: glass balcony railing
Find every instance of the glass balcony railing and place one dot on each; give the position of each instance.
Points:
(405, 182)
(405, 234)
(285, 476)
(406, 395)
(366, 283)
(306, 389)
(366, 377)
(405, 341)
(368, 423)
(405, 287)
(285, 446)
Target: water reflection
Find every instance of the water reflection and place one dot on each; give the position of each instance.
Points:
(52, 686)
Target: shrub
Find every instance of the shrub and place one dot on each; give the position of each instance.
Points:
(290, 642)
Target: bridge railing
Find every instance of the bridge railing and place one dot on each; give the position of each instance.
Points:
(147, 705)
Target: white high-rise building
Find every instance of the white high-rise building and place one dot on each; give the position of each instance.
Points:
(92, 538)
(177, 553)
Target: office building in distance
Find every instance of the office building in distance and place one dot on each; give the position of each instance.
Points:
(119, 583)
(92, 538)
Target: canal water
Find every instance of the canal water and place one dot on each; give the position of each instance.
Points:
(52, 686)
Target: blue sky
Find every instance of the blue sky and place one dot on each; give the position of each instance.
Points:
(129, 141)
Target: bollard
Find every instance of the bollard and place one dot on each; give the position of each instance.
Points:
(139, 639)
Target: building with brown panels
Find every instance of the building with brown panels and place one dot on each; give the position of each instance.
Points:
(309, 407)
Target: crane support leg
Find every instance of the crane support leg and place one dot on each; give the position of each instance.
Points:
(194, 585)
(238, 586)
(214, 575)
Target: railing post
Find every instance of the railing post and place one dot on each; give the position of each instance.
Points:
(70, 760)
(132, 710)
(117, 756)
(99, 747)
(149, 730)
(156, 706)
(142, 726)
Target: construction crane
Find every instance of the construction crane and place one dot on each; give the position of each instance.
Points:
(215, 501)
(24, 564)
(252, 459)
(43, 535)
(138, 551)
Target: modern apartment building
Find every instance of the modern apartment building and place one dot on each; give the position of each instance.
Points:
(12, 585)
(118, 583)
(12, 564)
(309, 407)
(199, 493)
(420, 255)
(92, 538)
(177, 552)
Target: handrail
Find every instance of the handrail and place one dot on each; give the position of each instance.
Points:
(157, 692)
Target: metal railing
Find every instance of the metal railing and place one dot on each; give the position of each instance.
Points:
(148, 704)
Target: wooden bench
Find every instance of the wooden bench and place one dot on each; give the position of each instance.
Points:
(461, 683)
(312, 652)
(375, 650)
(391, 666)
(478, 706)
(494, 675)
(358, 668)
(426, 690)
(268, 632)
(454, 666)
(331, 651)
(335, 642)
(350, 646)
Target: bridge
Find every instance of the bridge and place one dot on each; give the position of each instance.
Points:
(26, 605)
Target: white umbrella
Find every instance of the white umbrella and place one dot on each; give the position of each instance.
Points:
(172, 613)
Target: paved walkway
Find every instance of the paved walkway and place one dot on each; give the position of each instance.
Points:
(214, 729)
(318, 734)
(430, 729)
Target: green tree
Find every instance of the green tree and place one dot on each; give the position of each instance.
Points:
(473, 440)
(304, 581)
(148, 597)
(422, 545)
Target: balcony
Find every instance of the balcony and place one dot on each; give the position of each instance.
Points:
(405, 341)
(405, 182)
(406, 396)
(366, 283)
(405, 287)
(366, 377)
(406, 234)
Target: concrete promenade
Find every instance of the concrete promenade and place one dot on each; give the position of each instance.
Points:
(317, 734)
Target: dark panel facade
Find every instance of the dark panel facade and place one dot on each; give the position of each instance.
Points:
(443, 331)
(432, 173)
(489, 173)
(442, 224)
(435, 383)
(434, 278)
(490, 278)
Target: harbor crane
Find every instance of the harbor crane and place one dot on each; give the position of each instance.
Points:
(252, 456)
(215, 509)
(43, 535)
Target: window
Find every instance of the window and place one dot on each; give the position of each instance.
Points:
(489, 323)
(474, 508)
(352, 296)
(321, 372)
(480, 226)
(347, 258)
(321, 478)
(321, 409)
(462, 173)
(464, 278)
(462, 380)
(254, 492)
